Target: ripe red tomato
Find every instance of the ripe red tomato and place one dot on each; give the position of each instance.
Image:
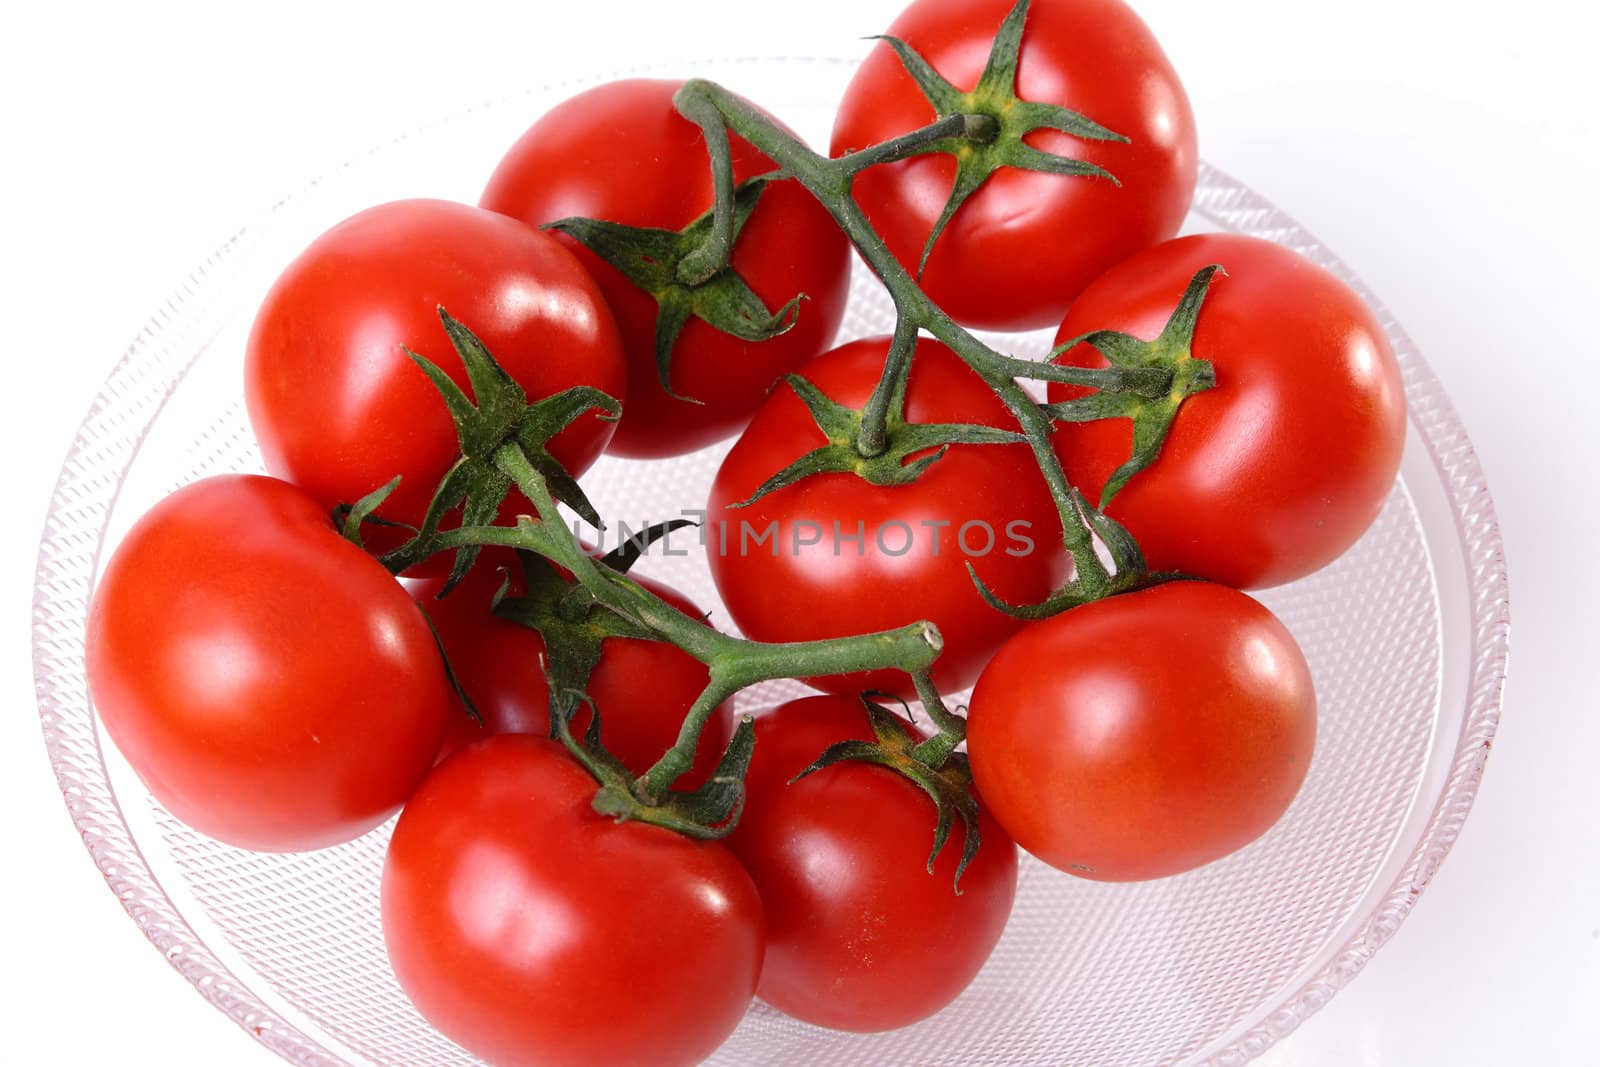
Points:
(1145, 734)
(861, 935)
(1285, 463)
(642, 688)
(1026, 243)
(620, 152)
(534, 931)
(271, 684)
(908, 545)
(336, 405)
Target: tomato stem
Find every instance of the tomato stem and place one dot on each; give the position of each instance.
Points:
(979, 128)
(888, 396)
(952, 727)
(699, 265)
(676, 761)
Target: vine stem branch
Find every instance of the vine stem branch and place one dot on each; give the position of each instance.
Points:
(718, 112)
(734, 663)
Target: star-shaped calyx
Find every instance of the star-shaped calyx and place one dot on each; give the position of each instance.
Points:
(671, 265)
(910, 447)
(948, 783)
(497, 416)
(1152, 416)
(571, 622)
(997, 142)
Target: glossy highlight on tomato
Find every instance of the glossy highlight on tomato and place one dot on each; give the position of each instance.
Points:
(621, 152)
(1277, 470)
(335, 403)
(269, 682)
(537, 933)
(901, 552)
(1145, 734)
(1026, 243)
(861, 935)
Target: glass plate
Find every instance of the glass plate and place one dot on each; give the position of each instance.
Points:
(1406, 635)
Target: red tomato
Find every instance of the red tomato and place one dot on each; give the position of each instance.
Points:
(1019, 250)
(536, 932)
(860, 934)
(620, 152)
(642, 688)
(336, 405)
(271, 684)
(1145, 734)
(986, 504)
(1279, 468)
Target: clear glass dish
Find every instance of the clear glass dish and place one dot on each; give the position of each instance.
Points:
(1406, 635)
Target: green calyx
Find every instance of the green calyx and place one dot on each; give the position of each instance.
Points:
(1168, 359)
(907, 449)
(997, 121)
(1152, 416)
(688, 273)
(938, 771)
(571, 621)
(707, 813)
(497, 414)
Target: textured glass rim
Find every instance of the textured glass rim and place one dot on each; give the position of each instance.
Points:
(68, 560)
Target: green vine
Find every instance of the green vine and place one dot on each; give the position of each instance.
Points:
(504, 437)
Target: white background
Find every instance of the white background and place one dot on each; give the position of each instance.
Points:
(1447, 156)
